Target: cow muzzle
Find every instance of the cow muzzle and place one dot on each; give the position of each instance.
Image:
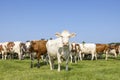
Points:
(65, 44)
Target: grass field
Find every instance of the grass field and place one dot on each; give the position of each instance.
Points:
(83, 70)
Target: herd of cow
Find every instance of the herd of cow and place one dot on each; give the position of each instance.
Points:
(59, 48)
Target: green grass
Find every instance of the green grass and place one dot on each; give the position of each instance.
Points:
(83, 70)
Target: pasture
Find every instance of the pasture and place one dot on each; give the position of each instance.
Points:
(83, 70)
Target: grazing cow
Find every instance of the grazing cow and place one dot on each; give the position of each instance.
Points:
(88, 48)
(102, 48)
(40, 48)
(75, 50)
(59, 48)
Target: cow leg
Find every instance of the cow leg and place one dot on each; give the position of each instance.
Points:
(20, 56)
(92, 56)
(3, 56)
(75, 58)
(67, 60)
(106, 57)
(95, 56)
(115, 54)
(59, 62)
(71, 57)
(32, 59)
(51, 62)
(38, 58)
(80, 56)
(38, 64)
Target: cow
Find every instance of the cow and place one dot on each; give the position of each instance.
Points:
(102, 48)
(88, 48)
(9, 48)
(5, 50)
(113, 49)
(75, 50)
(1, 49)
(38, 47)
(19, 48)
(107, 49)
(23, 49)
(59, 48)
(27, 44)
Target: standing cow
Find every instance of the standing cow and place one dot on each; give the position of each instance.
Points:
(114, 49)
(102, 48)
(38, 47)
(59, 48)
(88, 48)
(75, 51)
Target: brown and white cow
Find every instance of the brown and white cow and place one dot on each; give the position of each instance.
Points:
(39, 47)
(102, 48)
(1, 49)
(17, 47)
(114, 49)
(75, 50)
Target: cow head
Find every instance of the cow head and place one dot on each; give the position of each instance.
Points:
(23, 47)
(28, 43)
(1, 48)
(65, 36)
(10, 46)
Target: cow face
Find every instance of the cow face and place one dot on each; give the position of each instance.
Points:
(28, 43)
(23, 47)
(10, 46)
(65, 36)
(73, 46)
(1, 48)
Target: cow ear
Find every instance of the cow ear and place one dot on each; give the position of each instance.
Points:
(58, 35)
(72, 35)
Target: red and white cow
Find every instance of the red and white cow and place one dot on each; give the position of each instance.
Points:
(4, 52)
(1, 49)
(113, 49)
(101, 49)
(37, 48)
(75, 51)
(18, 48)
(59, 48)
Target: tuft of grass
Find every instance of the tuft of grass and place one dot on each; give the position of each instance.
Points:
(84, 70)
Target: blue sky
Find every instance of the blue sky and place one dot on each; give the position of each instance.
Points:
(96, 21)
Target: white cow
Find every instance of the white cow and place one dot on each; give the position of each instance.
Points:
(88, 48)
(59, 48)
